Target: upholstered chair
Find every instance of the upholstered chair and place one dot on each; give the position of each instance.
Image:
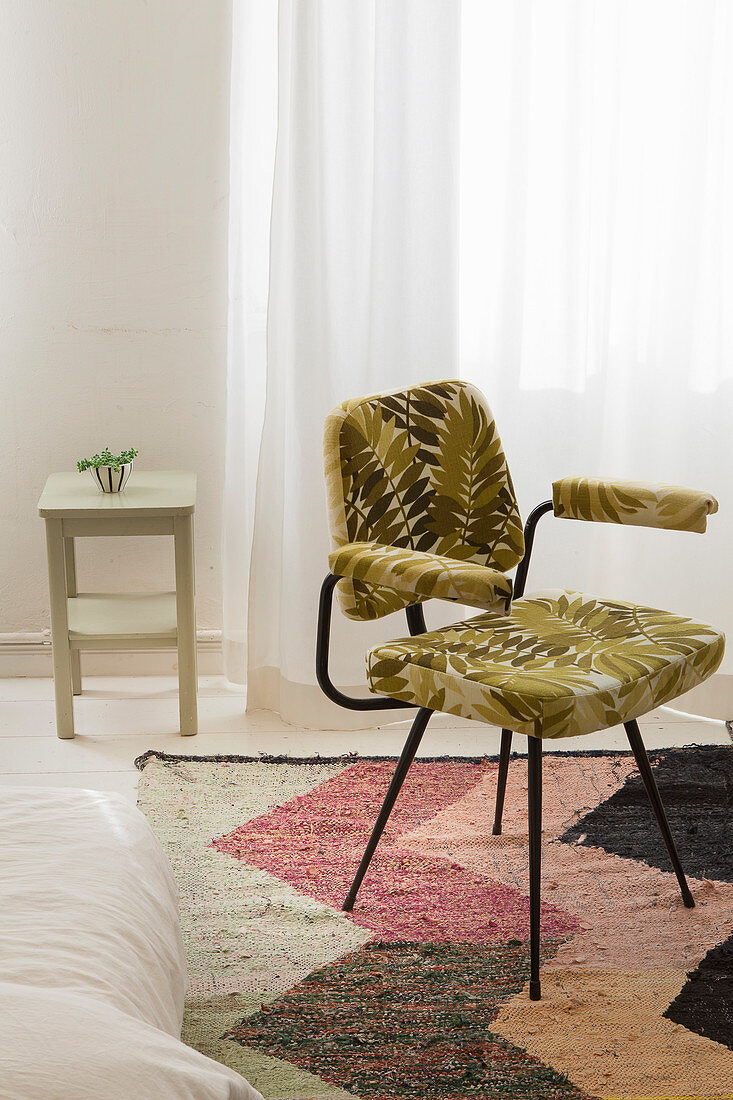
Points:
(421, 506)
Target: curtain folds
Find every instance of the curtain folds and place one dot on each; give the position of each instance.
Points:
(253, 123)
(362, 289)
(528, 195)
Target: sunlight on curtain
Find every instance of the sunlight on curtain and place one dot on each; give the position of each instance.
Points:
(596, 142)
(596, 283)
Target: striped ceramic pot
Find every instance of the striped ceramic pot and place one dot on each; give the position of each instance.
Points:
(110, 480)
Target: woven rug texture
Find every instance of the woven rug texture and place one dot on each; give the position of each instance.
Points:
(421, 992)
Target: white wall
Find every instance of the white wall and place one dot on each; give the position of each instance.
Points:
(113, 231)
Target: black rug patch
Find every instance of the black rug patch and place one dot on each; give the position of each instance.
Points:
(705, 1003)
(696, 785)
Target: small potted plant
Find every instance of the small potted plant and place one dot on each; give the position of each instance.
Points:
(110, 472)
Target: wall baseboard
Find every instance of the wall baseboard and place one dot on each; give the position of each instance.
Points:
(29, 654)
(713, 699)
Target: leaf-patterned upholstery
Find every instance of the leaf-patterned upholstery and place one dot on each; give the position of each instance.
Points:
(416, 573)
(559, 664)
(420, 469)
(639, 503)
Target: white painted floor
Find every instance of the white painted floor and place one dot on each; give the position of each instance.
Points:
(118, 719)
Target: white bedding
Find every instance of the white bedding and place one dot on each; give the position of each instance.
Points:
(92, 970)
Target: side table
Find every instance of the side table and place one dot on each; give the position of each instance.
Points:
(158, 502)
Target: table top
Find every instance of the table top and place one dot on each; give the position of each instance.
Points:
(147, 493)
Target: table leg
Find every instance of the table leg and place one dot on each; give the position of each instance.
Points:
(59, 629)
(71, 590)
(186, 617)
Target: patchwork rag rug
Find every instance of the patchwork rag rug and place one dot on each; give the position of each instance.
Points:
(421, 992)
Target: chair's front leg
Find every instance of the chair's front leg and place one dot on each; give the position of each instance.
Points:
(506, 748)
(650, 785)
(534, 786)
(408, 755)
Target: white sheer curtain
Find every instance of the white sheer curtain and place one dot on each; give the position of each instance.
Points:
(363, 290)
(597, 270)
(590, 279)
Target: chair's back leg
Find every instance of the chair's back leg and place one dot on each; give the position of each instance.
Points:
(506, 748)
(415, 619)
(650, 785)
(408, 755)
(534, 786)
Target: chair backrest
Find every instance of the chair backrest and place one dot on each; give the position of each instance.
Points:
(422, 468)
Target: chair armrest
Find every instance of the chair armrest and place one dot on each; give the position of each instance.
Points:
(423, 575)
(639, 503)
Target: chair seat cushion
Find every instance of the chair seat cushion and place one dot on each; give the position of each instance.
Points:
(558, 665)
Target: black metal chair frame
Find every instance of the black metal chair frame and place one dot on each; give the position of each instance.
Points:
(416, 625)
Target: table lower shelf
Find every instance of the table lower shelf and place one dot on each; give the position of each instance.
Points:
(126, 620)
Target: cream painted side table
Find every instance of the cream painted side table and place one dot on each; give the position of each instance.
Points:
(157, 502)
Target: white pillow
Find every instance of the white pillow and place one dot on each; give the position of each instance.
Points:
(92, 968)
(88, 903)
(69, 1046)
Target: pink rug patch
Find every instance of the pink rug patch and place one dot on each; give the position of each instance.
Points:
(631, 912)
(316, 840)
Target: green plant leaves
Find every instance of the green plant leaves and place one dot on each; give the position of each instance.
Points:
(107, 459)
